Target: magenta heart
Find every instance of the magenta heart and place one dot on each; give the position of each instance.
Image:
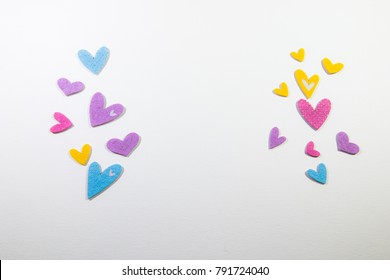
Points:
(311, 151)
(64, 123)
(69, 88)
(274, 139)
(315, 118)
(99, 114)
(124, 147)
(344, 145)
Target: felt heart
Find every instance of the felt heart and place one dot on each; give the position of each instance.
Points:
(274, 139)
(124, 147)
(64, 123)
(299, 56)
(331, 68)
(315, 118)
(310, 150)
(83, 156)
(320, 175)
(307, 85)
(97, 63)
(98, 181)
(344, 145)
(69, 88)
(282, 90)
(99, 114)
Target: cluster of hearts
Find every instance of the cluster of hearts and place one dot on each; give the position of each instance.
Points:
(315, 118)
(99, 114)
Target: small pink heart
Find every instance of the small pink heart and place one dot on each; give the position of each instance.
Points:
(310, 150)
(315, 118)
(69, 88)
(124, 147)
(64, 123)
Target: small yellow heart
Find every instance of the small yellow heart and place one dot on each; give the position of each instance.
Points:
(83, 156)
(306, 85)
(282, 90)
(299, 55)
(331, 68)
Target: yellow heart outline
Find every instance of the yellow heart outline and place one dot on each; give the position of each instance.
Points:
(330, 67)
(83, 156)
(282, 90)
(299, 55)
(300, 77)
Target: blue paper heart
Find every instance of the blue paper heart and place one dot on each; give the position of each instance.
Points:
(97, 63)
(319, 175)
(98, 181)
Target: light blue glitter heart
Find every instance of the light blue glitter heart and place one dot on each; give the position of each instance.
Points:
(320, 175)
(97, 63)
(98, 181)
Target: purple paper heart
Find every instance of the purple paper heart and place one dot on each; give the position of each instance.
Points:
(124, 147)
(99, 114)
(274, 139)
(69, 88)
(344, 145)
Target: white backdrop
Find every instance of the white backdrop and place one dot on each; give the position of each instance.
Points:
(196, 78)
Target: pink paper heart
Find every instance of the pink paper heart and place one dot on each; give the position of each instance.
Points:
(99, 114)
(64, 123)
(69, 88)
(314, 117)
(310, 150)
(124, 147)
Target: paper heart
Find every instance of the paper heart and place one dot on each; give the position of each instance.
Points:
(98, 181)
(299, 56)
(307, 85)
(282, 90)
(124, 147)
(83, 156)
(69, 88)
(99, 114)
(344, 145)
(315, 118)
(320, 175)
(97, 63)
(331, 68)
(310, 150)
(274, 139)
(64, 123)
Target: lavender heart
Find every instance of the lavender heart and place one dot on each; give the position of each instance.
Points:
(274, 139)
(344, 145)
(69, 88)
(99, 114)
(124, 147)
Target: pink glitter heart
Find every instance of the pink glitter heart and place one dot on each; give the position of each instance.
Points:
(69, 88)
(64, 123)
(314, 117)
(99, 114)
(311, 151)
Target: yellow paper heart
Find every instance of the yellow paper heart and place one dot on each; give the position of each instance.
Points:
(282, 90)
(83, 156)
(331, 68)
(306, 85)
(299, 55)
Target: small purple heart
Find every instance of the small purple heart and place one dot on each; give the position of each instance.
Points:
(344, 145)
(69, 88)
(99, 114)
(274, 139)
(124, 147)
